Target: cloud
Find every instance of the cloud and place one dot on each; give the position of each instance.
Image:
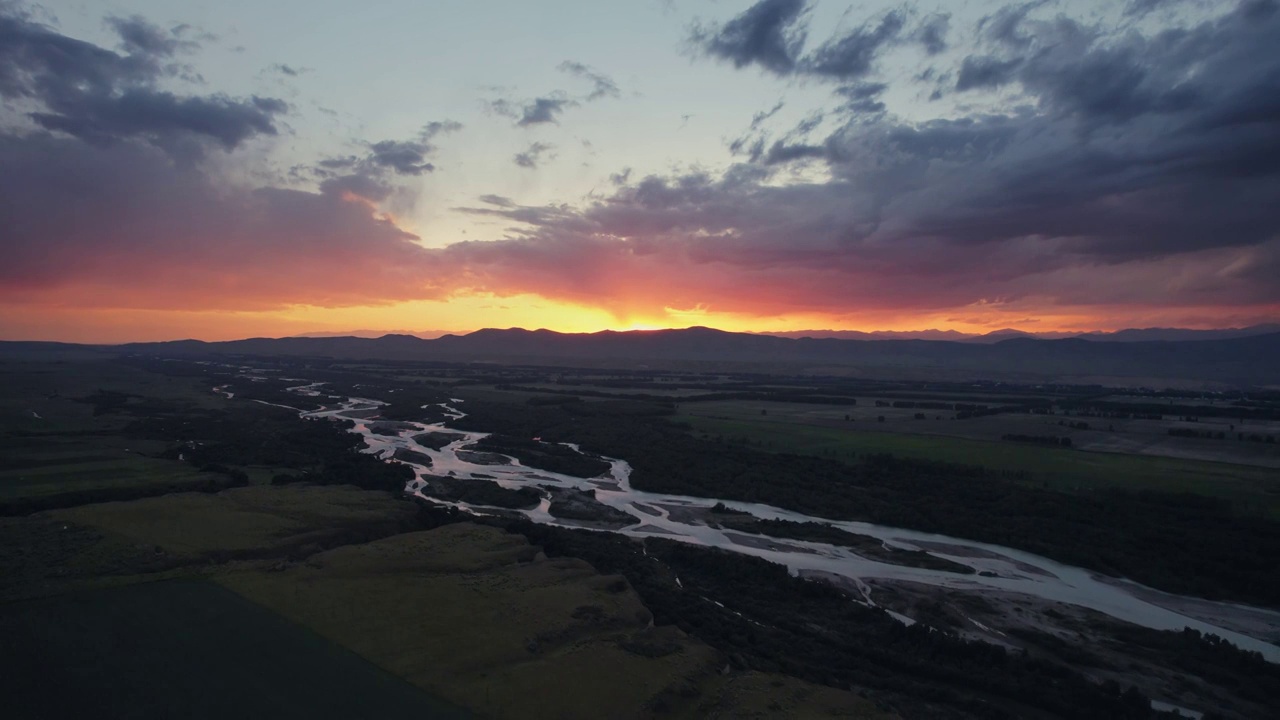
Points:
(101, 96)
(772, 34)
(143, 38)
(931, 33)
(398, 157)
(498, 200)
(439, 127)
(853, 56)
(1130, 171)
(1006, 25)
(768, 34)
(110, 196)
(602, 85)
(543, 110)
(405, 158)
(535, 112)
(985, 71)
(288, 70)
(1142, 8)
(862, 97)
(533, 157)
(124, 226)
(547, 109)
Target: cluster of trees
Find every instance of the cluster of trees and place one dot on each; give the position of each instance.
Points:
(1156, 410)
(769, 621)
(1052, 440)
(544, 455)
(315, 451)
(988, 411)
(864, 545)
(210, 482)
(482, 492)
(1193, 433)
(1176, 542)
(1256, 437)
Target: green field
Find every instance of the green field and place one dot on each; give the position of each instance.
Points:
(186, 649)
(1251, 490)
(54, 439)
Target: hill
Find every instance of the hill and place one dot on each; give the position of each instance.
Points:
(1243, 361)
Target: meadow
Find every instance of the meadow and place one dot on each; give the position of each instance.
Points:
(1250, 489)
(63, 417)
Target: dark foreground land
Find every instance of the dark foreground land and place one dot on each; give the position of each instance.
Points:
(247, 517)
(188, 649)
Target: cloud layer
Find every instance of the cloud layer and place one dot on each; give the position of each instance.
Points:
(1106, 169)
(101, 96)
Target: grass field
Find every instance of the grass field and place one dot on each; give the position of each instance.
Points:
(469, 614)
(1252, 490)
(474, 615)
(264, 518)
(1137, 436)
(52, 441)
(191, 650)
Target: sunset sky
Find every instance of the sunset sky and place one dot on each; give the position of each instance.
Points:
(217, 170)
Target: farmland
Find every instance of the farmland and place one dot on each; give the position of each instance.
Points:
(494, 613)
(1252, 489)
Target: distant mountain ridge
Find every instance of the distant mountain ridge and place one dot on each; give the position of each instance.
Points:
(424, 334)
(1127, 335)
(1241, 361)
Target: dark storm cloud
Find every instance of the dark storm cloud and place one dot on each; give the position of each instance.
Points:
(98, 95)
(767, 34)
(533, 157)
(602, 85)
(853, 56)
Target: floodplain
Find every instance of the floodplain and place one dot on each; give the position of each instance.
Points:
(497, 608)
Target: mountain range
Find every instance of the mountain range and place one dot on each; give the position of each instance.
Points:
(1128, 335)
(1252, 360)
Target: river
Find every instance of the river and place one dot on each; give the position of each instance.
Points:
(675, 517)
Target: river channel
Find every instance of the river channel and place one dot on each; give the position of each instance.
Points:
(677, 517)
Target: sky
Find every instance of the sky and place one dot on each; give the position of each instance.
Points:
(218, 170)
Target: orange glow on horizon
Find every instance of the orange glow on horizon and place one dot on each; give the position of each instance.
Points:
(464, 314)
